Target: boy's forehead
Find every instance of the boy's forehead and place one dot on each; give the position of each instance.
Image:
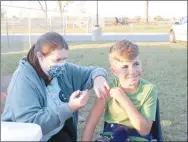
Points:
(120, 63)
(125, 62)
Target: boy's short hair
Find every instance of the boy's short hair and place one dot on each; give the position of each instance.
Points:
(123, 51)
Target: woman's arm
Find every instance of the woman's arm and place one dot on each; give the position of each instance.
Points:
(27, 106)
(139, 122)
(83, 77)
(93, 119)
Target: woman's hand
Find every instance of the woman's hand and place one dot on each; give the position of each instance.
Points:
(76, 102)
(101, 87)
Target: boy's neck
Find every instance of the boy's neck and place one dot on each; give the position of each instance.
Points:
(131, 89)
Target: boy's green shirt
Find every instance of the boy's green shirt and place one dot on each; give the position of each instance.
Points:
(145, 100)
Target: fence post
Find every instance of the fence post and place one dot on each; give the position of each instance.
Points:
(29, 27)
(91, 23)
(66, 24)
(131, 28)
(63, 24)
(50, 23)
(7, 34)
(13, 25)
(73, 23)
(87, 24)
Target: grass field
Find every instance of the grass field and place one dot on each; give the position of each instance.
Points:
(163, 64)
(138, 28)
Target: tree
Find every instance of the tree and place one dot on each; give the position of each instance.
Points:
(146, 11)
(137, 18)
(62, 5)
(45, 10)
(158, 18)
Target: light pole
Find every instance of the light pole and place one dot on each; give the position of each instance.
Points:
(97, 30)
(146, 11)
(97, 16)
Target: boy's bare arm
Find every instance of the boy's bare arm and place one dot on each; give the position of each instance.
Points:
(93, 119)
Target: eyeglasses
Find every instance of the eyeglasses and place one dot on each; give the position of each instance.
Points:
(62, 97)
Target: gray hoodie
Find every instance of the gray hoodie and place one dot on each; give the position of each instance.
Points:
(27, 99)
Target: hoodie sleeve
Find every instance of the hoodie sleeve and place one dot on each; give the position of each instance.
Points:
(27, 107)
(83, 77)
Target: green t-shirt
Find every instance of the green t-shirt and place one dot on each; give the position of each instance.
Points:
(145, 100)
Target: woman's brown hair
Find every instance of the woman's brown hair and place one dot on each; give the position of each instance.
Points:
(46, 43)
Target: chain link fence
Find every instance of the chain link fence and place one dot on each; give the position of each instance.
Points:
(24, 31)
(27, 29)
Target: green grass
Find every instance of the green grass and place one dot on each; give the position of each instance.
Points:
(138, 28)
(163, 64)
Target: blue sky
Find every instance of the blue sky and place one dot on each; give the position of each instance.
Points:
(165, 9)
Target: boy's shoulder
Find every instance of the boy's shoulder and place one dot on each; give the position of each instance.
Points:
(146, 83)
(148, 89)
(115, 82)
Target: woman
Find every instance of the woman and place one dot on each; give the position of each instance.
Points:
(45, 89)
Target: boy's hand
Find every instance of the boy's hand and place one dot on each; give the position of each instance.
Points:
(117, 93)
(75, 102)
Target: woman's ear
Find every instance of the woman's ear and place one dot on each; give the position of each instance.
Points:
(39, 55)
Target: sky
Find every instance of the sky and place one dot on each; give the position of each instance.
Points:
(166, 9)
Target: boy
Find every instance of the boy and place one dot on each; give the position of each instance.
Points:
(130, 109)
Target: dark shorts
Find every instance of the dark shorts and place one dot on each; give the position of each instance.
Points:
(118, 132)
